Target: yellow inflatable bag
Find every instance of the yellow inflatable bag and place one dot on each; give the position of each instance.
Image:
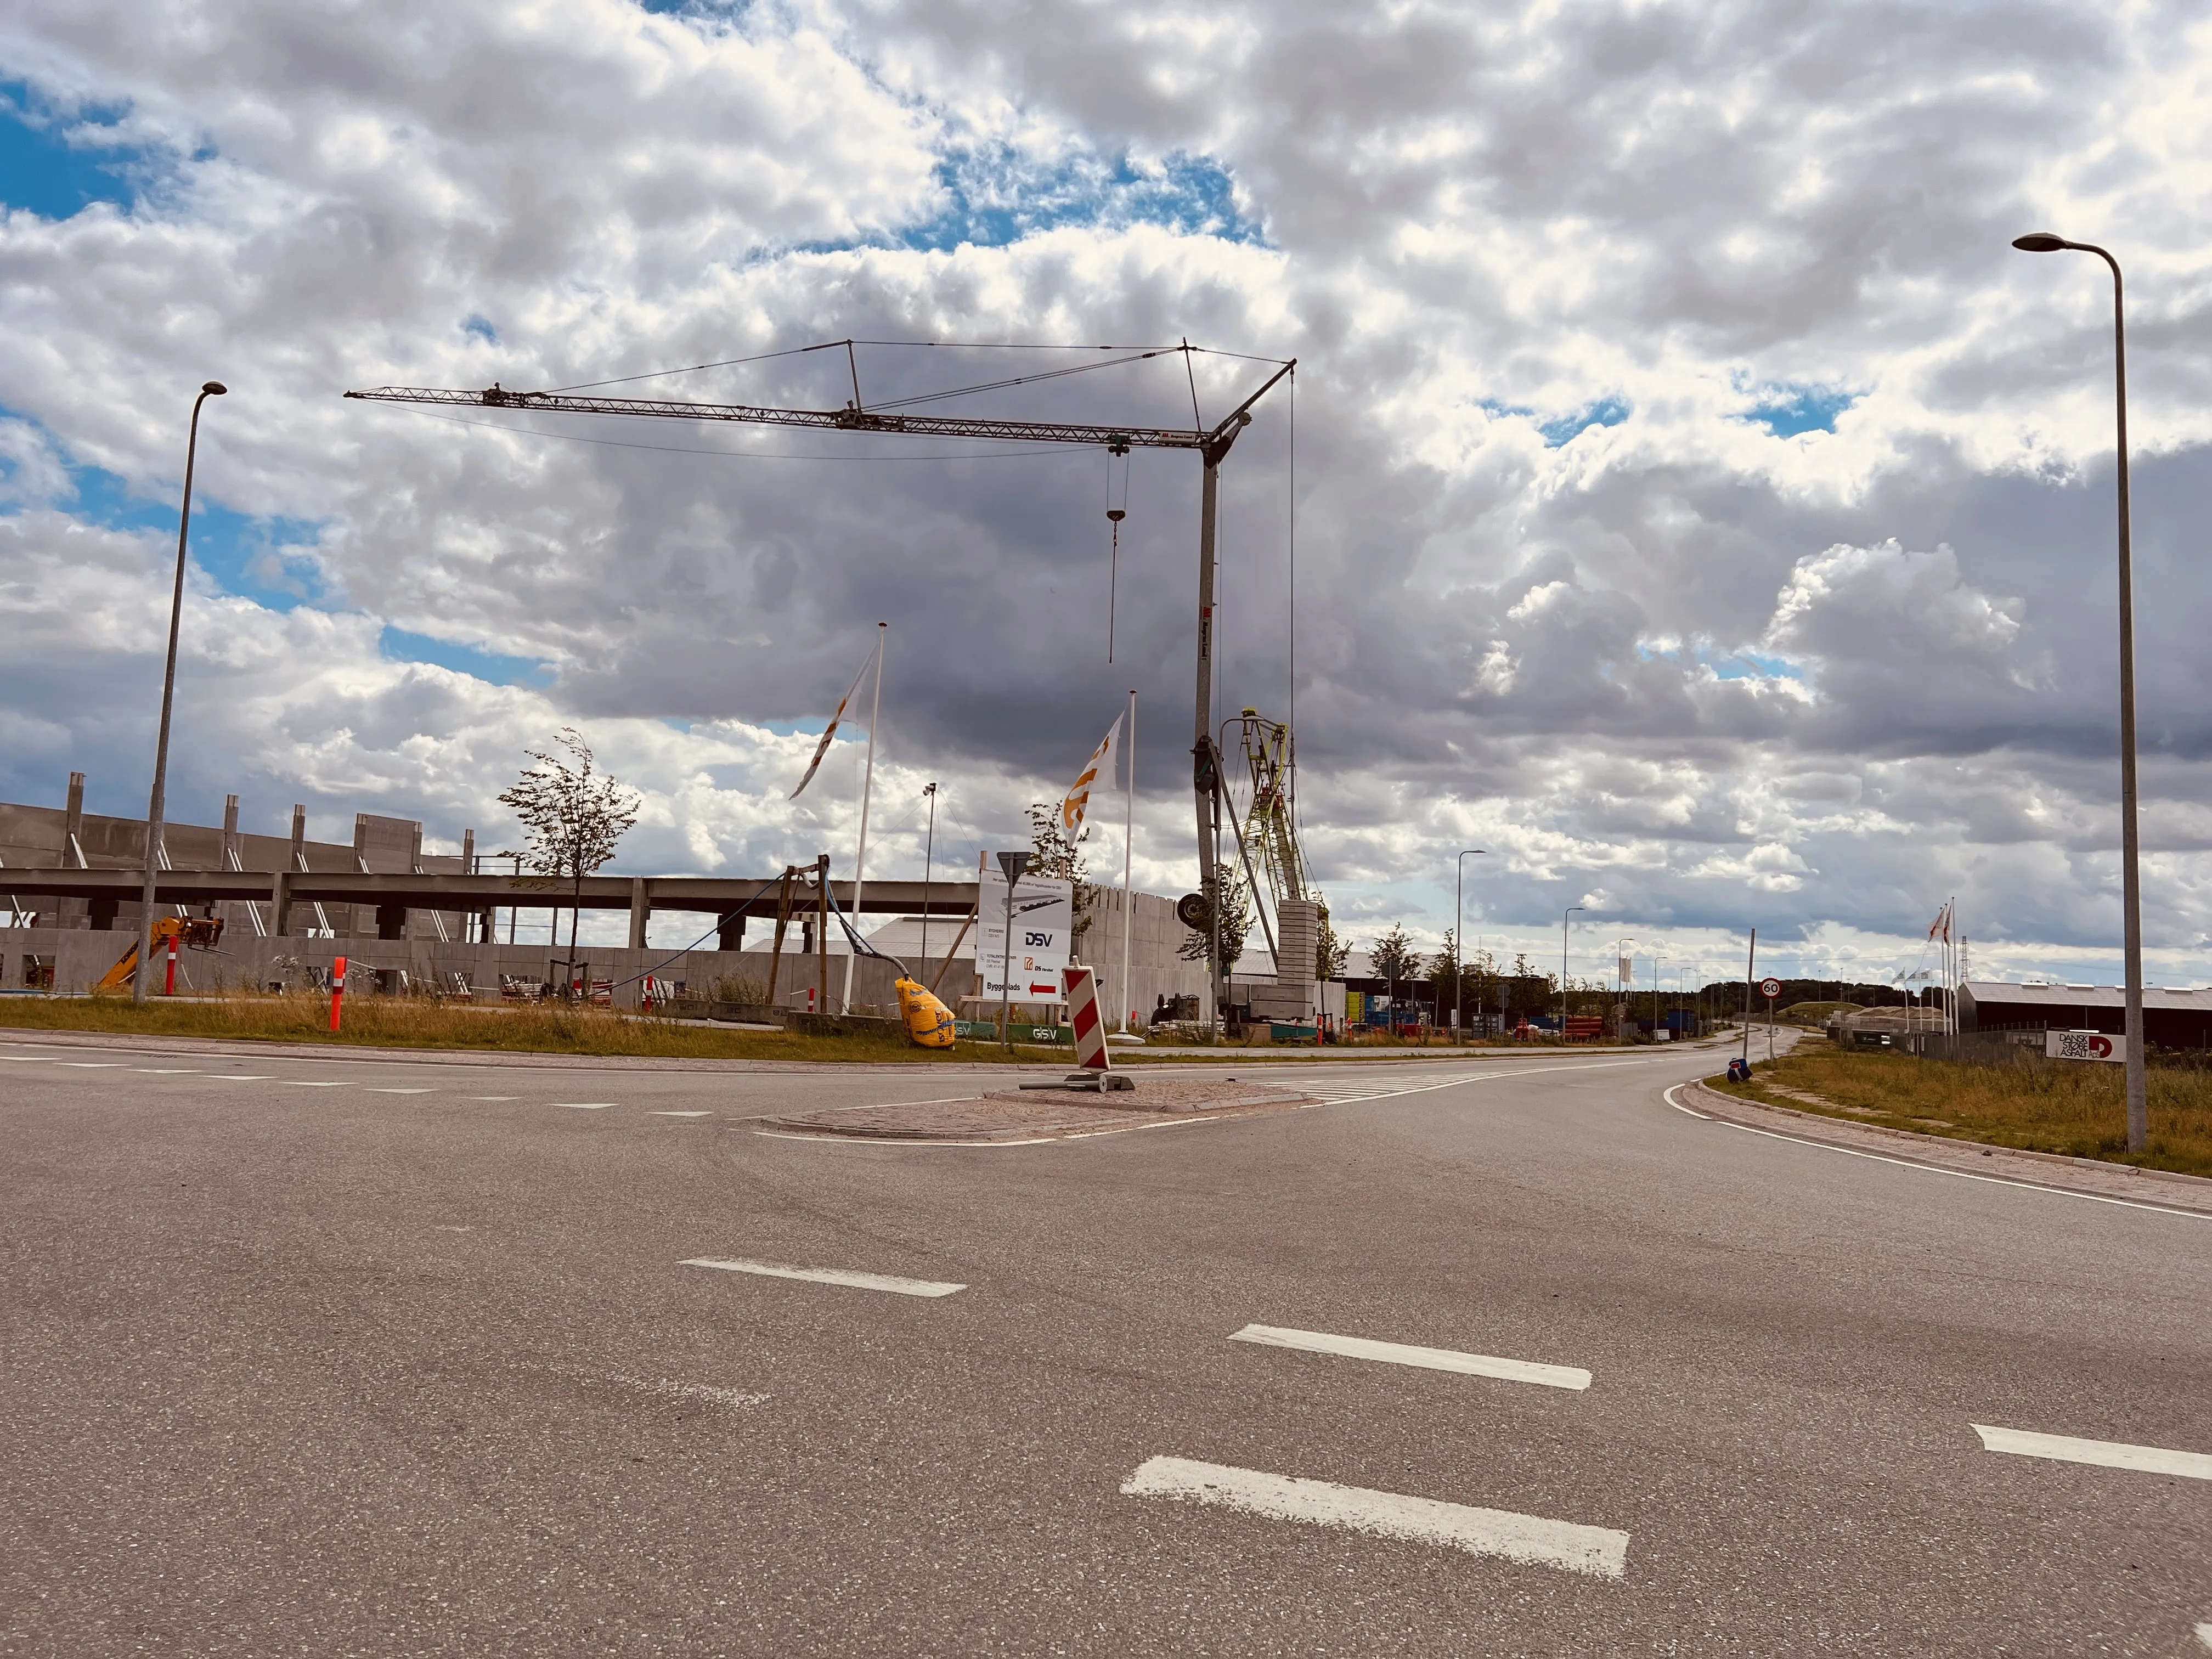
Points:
(928, 1022)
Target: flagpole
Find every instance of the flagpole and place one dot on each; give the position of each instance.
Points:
(867, 784)
(1129, 845)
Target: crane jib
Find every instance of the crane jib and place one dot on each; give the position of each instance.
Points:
(848, 419)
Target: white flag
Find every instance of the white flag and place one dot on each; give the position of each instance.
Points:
(1101, 765)
(843, 702)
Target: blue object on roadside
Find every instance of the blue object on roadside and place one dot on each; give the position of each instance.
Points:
(1739, 1069)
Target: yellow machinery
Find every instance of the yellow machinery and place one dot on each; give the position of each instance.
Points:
(928, 1022)
(198, 933)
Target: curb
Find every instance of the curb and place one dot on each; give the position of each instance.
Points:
(1722, 1106)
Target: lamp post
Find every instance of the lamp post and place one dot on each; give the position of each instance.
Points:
(1571, 909)
(1459, 940)
(156, 804)
(2043, 241)
(928, 861)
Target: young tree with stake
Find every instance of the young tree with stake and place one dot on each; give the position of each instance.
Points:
(573, 817)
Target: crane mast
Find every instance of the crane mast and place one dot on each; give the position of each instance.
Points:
(1211, 443)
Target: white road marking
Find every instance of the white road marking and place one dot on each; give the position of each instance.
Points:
(167, 1070)
(707, 1391)
(680, 1114)
(494, 1097)
(584, 1105)
(1399, 1353)
(831, 1276)
(2205, 1633)
(300, 1082)
(1344, 1094)
(1598, 1551)
(92, 1065)
(242, 1076)
(2106, 1454)
(399, 1091)
(1967, 1175)
(1669, 1098)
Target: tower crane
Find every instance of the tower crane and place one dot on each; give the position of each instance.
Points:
(1213, 444)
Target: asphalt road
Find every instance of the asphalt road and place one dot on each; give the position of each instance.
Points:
(340, 1357)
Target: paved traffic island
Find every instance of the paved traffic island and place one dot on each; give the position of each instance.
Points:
(1027, 1114)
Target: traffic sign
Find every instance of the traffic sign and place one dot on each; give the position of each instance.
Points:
(1770, 988)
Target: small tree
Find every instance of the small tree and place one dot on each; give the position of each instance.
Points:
(1330, 952)
(1394, 958)
(1052, 853)
(573, 820)
(1236, 920)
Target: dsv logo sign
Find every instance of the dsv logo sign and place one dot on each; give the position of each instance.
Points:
(1037, 941)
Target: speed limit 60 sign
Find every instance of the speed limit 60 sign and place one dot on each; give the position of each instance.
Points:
(1770, 987)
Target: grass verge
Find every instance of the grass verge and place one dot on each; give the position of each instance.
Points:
(2039, 1106)
(530, 1028)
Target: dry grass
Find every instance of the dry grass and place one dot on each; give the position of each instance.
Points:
(407, 1022)
(2078, 1110)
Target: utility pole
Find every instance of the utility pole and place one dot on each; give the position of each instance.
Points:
(1013, 864)
(1750, 974)
(1571, 909)
(928, 862)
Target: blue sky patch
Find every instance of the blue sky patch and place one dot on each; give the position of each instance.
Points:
(1742, 665)
(994, 196)
(1789, 408)
(267, 560)
(492, 667)
(41, 170)
(478, 328)
(1564, 429)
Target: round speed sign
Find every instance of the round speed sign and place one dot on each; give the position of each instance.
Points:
(1770, 987)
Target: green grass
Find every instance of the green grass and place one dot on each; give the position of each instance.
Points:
(407, 1022)
(2044, 1106)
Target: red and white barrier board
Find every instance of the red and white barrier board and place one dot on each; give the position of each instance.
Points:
(1082, 985)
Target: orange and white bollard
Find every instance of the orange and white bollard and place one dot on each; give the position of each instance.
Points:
(169, 978)
(338, 989)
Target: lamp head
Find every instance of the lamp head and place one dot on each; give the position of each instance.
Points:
(2040, 241)
(214, 389)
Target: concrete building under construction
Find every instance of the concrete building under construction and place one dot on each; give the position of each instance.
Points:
(71, 883)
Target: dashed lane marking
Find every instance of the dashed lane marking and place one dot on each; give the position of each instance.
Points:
(1399, 1353)
(1599, 1552)
(584, 1105)
(494, 1097)
(240, 1077)
(314, 1083)
(681, 1115)
(92, 1065)
(2205, 1633)
(399, 1091)
(889, 1282)
(167, 1070)
(2105, 1454)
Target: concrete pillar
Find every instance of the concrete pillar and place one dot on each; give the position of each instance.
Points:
(641, 910)
(391, 921)
(73, 826)
(731, 934)
(279, 903)
(233, 845)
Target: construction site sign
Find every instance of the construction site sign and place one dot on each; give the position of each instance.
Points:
(1044, 920)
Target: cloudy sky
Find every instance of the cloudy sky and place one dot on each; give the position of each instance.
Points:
(1686, 494)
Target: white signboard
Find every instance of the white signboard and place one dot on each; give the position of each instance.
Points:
(2084, 1045)
(1044, 915)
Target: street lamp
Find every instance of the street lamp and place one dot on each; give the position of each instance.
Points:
(1459, 940)
(1571, 909)
(928, 862)
(2043, 241)
(155, 803)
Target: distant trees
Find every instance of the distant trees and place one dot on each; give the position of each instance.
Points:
(1330, 952)
(573, 817)
(1393, 957)
(1052, 853)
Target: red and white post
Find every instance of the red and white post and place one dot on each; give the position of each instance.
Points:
(338, 989)
(169, 977)
(1082, 986)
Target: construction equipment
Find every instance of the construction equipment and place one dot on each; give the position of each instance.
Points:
(198, 932)
(1268, 834)
(1213, 444)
